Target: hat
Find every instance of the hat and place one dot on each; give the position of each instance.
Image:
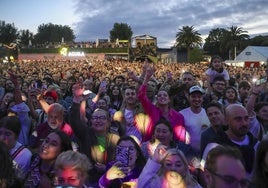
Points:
(196, 89)
(52, 94)
(11, 123)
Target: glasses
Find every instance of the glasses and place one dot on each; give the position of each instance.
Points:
(98, 117)
(67, 183)
(231, 180)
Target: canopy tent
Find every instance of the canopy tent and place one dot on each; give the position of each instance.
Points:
(253, 55)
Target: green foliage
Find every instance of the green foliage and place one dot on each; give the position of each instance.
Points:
(196, 55)
(25, 36)
(51, 33)
(8, 33)
(187, 37)
(225, 42)
(121, 31)
(259, 41)
(213, 42)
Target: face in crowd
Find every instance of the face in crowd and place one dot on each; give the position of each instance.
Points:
(71, 169)
(100, 121)
(238, 120)
(188, 79)
(175, 168)
(162, 98)
(163, 133)
(55, 116)
(196, 99)
(217, 64)
(130, 96)
(51, 147)
(132, 152)
(219, 86)
(226, 172)
(8, 137)
(216, 117)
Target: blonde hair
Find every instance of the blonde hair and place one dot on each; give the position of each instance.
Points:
(187, 177)
(74, 160)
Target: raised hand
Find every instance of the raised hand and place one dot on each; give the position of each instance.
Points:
(117, 171)
(160, 153)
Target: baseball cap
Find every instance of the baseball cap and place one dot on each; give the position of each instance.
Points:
(196, 89)
(52, 94)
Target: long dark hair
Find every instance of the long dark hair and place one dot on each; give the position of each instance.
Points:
(211, 62)
(66, 143)
(167, 123)
(141, 161)
(113, 98)
(7, 172)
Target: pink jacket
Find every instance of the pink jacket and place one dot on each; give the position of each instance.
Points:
(175, 118)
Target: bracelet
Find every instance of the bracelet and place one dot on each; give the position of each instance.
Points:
(253, 93)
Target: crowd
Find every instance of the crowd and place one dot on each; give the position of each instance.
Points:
(133, 124)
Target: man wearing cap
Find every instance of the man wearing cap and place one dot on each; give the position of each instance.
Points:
(10, 128)
(196, 120)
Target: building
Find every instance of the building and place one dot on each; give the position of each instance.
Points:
(253, 56)
(142, 40)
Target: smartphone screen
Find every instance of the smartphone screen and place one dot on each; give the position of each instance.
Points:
(122, 155)
(103, 84)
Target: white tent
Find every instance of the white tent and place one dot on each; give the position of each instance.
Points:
(254, 54)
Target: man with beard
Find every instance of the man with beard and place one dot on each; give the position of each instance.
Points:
(55, 120)
(180, 100)
(9, 86)
(216, 117)
(195, 117)
(129, 115)
(215, 93)
(237, 135)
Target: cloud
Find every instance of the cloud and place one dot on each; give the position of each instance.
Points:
(163, 18)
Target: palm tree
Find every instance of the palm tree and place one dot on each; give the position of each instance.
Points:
(188, 37)
(234, 38)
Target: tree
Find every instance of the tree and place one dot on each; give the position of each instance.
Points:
(259, 41)
(25, 37)
(8, 33)
(213, 42)
(51, 33)
(188, 37)
(235, 39)
(121, 31)
(196, 55)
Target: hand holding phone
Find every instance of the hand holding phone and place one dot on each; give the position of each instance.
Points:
(122, 155)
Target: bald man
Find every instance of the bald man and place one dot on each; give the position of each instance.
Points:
(237, 135)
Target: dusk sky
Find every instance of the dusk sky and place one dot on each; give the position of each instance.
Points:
(92, 19)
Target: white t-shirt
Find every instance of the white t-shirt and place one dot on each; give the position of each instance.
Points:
(212, 74)
(195, 124)
(131, 129)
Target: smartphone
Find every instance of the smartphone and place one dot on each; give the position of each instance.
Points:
(122, 155)
(103, 84)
